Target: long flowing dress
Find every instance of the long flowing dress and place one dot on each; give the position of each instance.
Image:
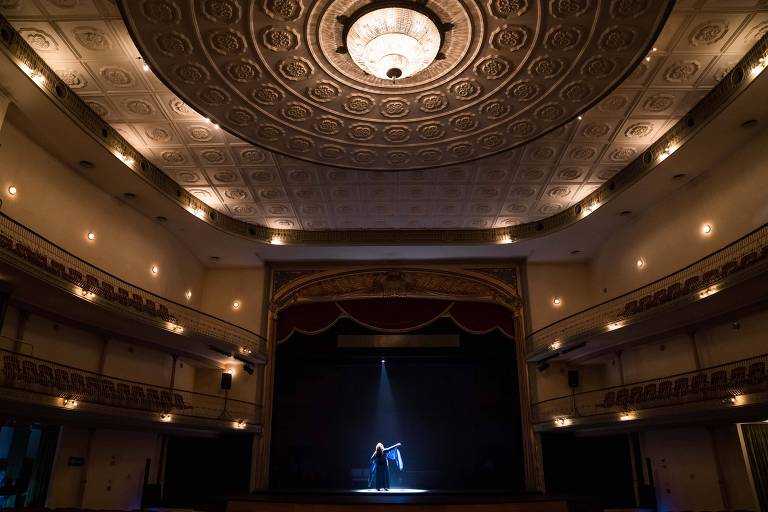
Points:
(379, 475)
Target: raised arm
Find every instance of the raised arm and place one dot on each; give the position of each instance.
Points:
(393, 447)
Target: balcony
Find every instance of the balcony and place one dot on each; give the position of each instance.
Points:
(46, 276)
(32, 383)
(735, 385)
(730, 279)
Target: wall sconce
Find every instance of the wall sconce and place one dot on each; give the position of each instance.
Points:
(166, 417)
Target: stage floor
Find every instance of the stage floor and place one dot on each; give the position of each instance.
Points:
(365, 500)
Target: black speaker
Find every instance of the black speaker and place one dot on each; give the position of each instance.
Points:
(226, 381)
(573, 379)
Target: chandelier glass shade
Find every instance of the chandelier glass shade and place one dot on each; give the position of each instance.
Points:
(393, 42)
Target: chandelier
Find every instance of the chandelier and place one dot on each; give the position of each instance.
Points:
(393, 42)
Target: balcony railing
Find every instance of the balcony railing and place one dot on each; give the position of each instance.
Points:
(25, 249)
(733, 263)
(725, 382)
(73, 385)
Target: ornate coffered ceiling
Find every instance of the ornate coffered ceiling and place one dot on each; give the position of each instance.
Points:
(276, 74)
(86, 42)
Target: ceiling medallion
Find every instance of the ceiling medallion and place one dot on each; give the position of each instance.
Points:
(412, 83)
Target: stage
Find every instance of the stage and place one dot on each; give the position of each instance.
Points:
(411, 500)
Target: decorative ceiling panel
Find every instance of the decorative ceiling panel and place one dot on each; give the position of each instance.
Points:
(699, 43)
(277, 73)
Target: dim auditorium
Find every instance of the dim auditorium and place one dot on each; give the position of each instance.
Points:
(384, 255)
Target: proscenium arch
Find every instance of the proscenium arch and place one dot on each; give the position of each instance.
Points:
(492, 283)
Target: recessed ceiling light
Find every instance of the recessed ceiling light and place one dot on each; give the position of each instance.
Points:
(12, 190)
(188, 294)
(580, 118)
(706, 229)
(154, 269)
(91, 235)
(236, 304)
(556, 301)
(640, 263)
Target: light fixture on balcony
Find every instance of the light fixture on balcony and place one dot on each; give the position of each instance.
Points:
(245, 351)
(240, 424)
(627, 416)
(166, 417)
(393, 41)
(562, 421)
(69, 403)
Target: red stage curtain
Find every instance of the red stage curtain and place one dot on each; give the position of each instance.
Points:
(307, 318)
(482, 317)
(395, 315)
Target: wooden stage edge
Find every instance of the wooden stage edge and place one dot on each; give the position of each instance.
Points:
(429, 501)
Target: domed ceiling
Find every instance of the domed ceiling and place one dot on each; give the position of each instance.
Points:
(277, 73)
(87, 44)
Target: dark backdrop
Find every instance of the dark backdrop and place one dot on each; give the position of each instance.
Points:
(456, 411)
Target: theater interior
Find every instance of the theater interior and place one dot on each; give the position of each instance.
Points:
(523, 244)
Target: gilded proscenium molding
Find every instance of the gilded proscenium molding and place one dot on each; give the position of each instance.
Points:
(725, 91)
(468, 284)
(486, 282)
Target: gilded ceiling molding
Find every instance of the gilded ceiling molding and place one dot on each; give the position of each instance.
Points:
(737, 79)
(341, 283)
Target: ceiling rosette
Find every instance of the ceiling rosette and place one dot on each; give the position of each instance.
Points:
(276, 73)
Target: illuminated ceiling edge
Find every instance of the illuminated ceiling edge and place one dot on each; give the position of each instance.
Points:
(28, 61)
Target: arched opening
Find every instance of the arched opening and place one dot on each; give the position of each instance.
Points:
(439, 376)
(447, 333)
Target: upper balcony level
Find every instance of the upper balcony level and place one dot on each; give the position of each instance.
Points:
(44, 276)
(731, 279)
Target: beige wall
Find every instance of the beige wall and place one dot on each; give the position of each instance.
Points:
(113, 474)
(730, 197)
(67, 484)
(221, 287)
(59, 204)
(685, 468)
(568, 281)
